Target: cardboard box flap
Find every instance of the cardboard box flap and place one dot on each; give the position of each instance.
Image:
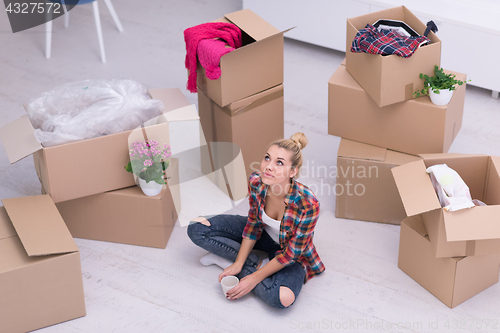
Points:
(496, 162)
(185, 113)
(252, 24)
(6, 228)
(460, 225)
(358, 150)
(415, 188)
(416, 223)
(172, 98)
(18, 139)
(39, 225)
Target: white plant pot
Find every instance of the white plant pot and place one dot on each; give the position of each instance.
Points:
(443, 98)
(150, 189)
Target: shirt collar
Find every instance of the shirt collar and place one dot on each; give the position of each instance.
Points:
(292, 192)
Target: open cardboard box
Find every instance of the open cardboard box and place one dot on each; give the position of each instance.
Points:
(124, 216)
(365, 188)
(391, 79)
(250, 69)
(79, 169)
(467, 232)
(237, 123)
(40, 271)
(451, 280)
(413, 127)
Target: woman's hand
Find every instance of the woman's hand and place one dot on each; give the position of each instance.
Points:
(244, 287)
(234, 269)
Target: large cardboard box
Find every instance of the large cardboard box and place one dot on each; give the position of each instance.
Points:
(414, 127)
(125, 216)
(467, 232)
(87, 167)
(252, 68)
(40, 272)
(365, 188)
(252, 123)
(451, 280)
(391, 79)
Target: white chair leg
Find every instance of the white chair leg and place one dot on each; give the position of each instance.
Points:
(113, 15)
(66, 17)
(48, 38)
(494, 94)
(99, 30)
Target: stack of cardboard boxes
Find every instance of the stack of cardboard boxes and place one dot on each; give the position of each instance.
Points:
(370, 102)
(245, 105)
(388, 140)
(454, 255)
(88, 192)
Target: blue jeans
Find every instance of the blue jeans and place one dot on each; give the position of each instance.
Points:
(223, 237)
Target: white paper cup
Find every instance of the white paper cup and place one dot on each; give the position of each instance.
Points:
(228, 283)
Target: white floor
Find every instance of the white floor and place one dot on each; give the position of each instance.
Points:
(139, 289)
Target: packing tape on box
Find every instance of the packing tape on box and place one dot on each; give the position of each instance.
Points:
(234, 108)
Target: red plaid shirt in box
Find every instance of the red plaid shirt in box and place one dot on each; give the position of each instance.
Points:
(297, 226)
(385, 42)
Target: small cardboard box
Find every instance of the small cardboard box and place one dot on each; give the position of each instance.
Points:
(413, 127)
(252, 123)
(40, 272)
(365, 188)
(125, 216)
(467, 232)
(79, 169)
(250, 69)
(451, 280)
(391, 79)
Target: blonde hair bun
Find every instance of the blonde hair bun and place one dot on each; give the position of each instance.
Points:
(300, 139)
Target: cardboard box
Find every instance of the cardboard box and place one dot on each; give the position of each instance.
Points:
(391, 79)
(252, 123)
(451, 280)
(124, 216)
(83, 168)
(413, 127)
(365, 188)
(466, 232)
(40, 272)
(250, 69)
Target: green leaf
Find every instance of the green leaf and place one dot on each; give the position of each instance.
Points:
(128, 167)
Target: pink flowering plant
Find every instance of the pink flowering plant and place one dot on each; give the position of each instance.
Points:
(148, 160)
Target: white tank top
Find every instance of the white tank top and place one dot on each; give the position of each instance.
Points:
(272, 226)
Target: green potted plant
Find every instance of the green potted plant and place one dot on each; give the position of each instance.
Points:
(148, 161)
(439, 87)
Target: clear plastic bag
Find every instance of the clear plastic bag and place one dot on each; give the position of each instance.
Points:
(90, 108)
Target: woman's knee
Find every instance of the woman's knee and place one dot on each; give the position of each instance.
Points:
(196, 228)
(287, 297)
(202, 220)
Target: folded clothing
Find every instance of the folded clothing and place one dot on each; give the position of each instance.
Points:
(209, 53)
(227, 32)
(385, 42)
(452, 191)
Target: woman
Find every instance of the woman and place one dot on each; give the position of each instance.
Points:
(280, 222)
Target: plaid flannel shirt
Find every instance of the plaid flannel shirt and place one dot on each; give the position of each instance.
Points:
(372, 40)
(297, 226)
